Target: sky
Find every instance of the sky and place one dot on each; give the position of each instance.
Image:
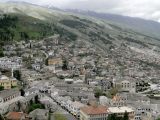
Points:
(147, 9)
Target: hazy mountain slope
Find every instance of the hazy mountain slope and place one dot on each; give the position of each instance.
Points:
(39, 22)
(33, 22)
(141, 25)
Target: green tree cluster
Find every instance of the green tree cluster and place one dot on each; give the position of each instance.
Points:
(1, 52)
(115, 117)
(65, 64)
(1, 88)
(17, 75)
(35, 105)
(7, 25)
(58, 116)
(98, 92)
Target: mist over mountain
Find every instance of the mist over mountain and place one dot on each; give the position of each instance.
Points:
(141, 25)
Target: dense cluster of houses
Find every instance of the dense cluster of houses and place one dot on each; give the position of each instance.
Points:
(67, 76)
(10, 63)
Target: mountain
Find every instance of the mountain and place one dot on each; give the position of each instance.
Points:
(141, 25)
(33, 21)
(36, 22)
(115, 50)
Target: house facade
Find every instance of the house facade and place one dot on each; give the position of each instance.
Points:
(7, 82)
(120, 111)
(55, 61)
(126, 86)
(8, 98)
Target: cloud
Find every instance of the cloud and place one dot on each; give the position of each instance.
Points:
(57, 3)
(147, 9)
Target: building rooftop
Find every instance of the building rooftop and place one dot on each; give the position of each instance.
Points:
(68, 80)
(6, 93)
(120, 109)
(39, 114)
(16, 115)
(3, 77)
(94, 110)
(78, 104)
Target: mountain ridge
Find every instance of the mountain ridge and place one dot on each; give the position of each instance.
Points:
(85, 27)
(138, 24)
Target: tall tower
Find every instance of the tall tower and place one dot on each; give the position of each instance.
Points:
(12, 70)
(114, 83)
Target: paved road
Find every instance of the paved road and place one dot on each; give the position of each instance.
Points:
(62, 111)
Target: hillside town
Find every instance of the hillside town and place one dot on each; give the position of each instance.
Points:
(51, 78)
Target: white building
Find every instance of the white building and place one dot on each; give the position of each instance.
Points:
(120, 111)
(75, 108)
(8, 98)
(125, 85)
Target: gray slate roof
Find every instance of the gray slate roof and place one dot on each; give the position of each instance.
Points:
(7, 93)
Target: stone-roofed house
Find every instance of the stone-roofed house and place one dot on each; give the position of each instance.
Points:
(125, 85)
(8, 95)
(31, 91)
(57, 61)
(8, 63)
(75, 108)
(49, 103)
(39, 114)
(118, 101)
(103, 100)
(8, 98)
(132, 98)
(142, 109)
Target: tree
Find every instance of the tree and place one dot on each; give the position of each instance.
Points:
(113, 117)
(31, 102)
(65, 65)
(125, 116)
(1, 88)
(36, 99)
(17, 75)
(19, 106)
(1, 53)
(22, 92)
(112, 92)
(1, 117)
(7, 25)
(98, 92)
(46, 62)
(24, 36)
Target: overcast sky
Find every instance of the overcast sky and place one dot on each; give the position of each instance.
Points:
(148, 9)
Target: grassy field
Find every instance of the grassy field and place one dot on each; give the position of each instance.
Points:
(59, 116)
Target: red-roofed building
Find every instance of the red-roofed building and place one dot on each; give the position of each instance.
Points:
(94, 113)
(16, 116)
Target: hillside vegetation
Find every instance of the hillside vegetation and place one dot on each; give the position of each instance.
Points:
(24, 22)
(16, 27)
